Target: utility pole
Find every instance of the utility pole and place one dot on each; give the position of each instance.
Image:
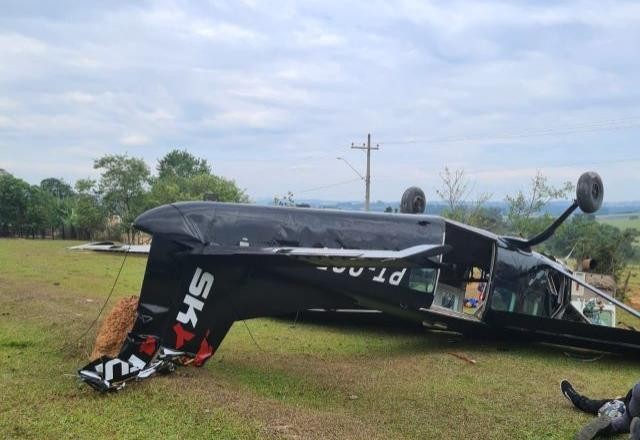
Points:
(367, 180)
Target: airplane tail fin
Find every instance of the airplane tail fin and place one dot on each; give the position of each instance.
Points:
(180, 320)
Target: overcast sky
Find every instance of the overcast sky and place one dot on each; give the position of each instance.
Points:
(272, 92)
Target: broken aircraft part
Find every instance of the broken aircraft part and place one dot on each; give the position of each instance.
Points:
(211, 264)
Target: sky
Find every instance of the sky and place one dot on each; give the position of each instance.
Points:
(271, 93)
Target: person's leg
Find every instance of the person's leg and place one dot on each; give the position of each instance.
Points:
(581, 402)
(595, 427)
(634, 430)
(629, 421)
(633, 406)
(620, 424)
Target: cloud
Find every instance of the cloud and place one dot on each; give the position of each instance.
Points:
(135, 139)
(224, 32)
(271, 95)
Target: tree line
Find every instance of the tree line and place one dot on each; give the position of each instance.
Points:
(106, 208)
(579, 238)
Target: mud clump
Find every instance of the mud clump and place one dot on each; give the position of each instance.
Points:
(115, 327)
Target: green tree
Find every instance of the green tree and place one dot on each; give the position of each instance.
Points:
(525, 214)
(456, 192)
(183, 177)
(285, 200)
(210, 185)
(63, 195)
(88, 216)
(40, 211)
(181, 164)
(14, 196)
(584, 237)
(57, 188)
(123, 187)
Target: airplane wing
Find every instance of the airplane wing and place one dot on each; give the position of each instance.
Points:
(414, 256)
(203, 274)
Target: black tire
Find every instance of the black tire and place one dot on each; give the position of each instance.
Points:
(413, 201)
(590, 192)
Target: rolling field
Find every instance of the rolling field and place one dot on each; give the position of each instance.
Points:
(623, 221)
(303, 382)
(626, 221)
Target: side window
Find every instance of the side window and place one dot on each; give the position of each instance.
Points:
(527, 286)
(503, 300)
(531, 293)
(422, 279)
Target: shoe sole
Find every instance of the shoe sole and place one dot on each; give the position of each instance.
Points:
(594, 428)
(566, 393)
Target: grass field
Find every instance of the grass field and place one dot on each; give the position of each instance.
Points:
(630, 221)
(307, 381)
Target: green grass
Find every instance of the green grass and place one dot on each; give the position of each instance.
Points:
(304, 381)
(630, 221)
(626, 221)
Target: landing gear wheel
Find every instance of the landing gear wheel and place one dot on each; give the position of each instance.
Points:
(413, 201)
(590, 192)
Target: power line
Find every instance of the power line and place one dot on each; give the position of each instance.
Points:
(542, 166)
(613, 124)
(325, 186)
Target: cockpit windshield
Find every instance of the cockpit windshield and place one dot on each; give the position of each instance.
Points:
(520, 287)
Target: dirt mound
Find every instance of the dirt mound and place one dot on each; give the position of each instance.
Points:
(115, 327)
(603, 282)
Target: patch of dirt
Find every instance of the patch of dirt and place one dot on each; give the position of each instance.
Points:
(115, 327)
(278, 419)
(635, 301)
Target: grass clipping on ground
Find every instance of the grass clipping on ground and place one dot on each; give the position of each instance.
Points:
(115, 327)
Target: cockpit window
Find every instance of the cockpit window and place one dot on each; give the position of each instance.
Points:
(423, 279)
(520, 288)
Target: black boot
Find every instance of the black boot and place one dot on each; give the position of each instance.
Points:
(598, 426)
(569, 392)
(581, 402)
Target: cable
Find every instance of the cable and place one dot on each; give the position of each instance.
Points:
(233, 307)
(614, 124)
(252, 338)
(527, 133)
(104, 304)
(295, 320)
(327, 186)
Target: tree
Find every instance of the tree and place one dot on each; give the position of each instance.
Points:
(62, 194)
(14, 195)
(88, 215)
(285, 200)
(525, 211)
(57, 188)
(183, 177)
(224, 190)
(123, 186)
(455, 192)
(584, 237)
(40, 211)
(181, 164)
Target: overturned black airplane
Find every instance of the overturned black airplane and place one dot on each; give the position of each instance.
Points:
(211, 264)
